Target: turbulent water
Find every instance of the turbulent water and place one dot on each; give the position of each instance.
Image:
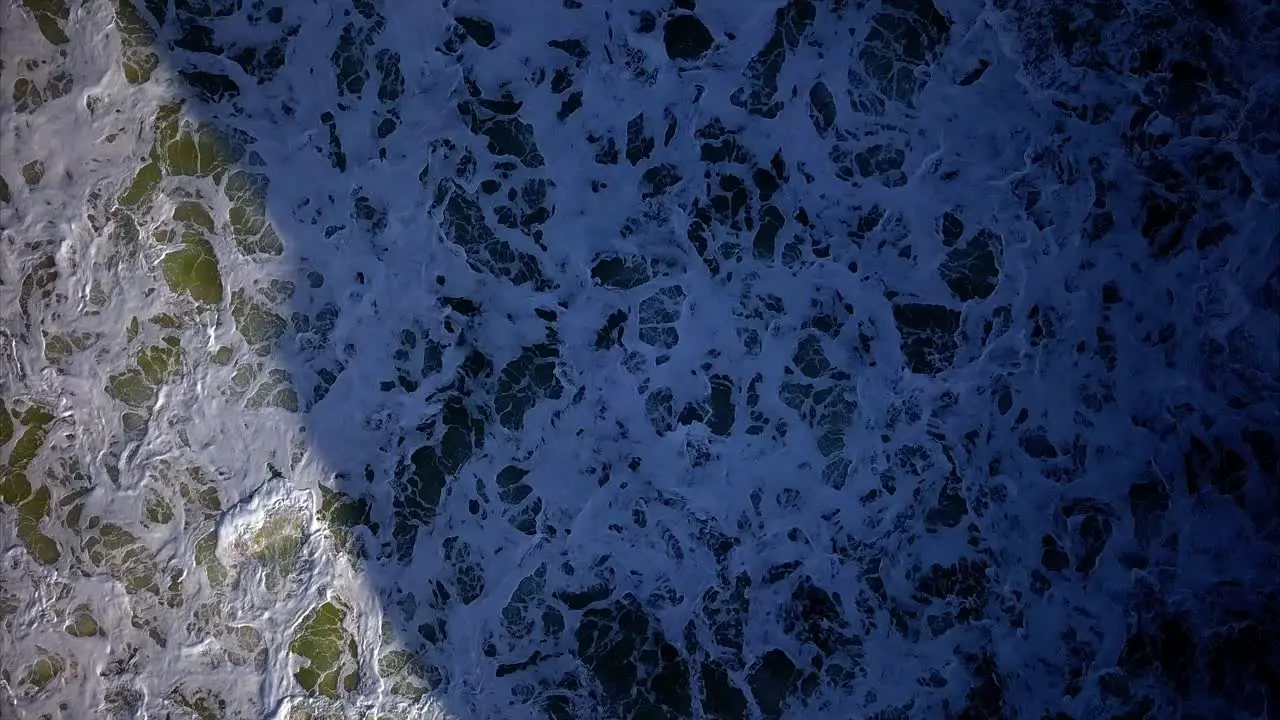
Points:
(581, 359)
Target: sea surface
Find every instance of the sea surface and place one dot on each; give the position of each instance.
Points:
(595, 360)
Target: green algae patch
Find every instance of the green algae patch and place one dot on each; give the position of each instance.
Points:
(59, 348)
(40, 546)
(405, 674)
(340, 510)
(124, 234)
(250, 229)
(38, 284)
(255, 323)
(222, 356)
(242, 378)
(82, 623)
(275, 391)
(49, 16)
(131, 388)
(246, 222)
(14, 487)
(157, 510)
(168, 124)
(330, 650)
(47, 667)
(267, 242)
(340, 513)
(136, 36)
(244, 645)
(206, 556)
(160, 363)
(193, 213)
(247, 188)
(36, 416)
(192, 270)
(252, 232)
(143, 186)
(124, 557)
(199, 153)
(6, 424)
(199, 491)
(168, 321)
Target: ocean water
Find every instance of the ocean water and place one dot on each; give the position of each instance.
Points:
(583, 359)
